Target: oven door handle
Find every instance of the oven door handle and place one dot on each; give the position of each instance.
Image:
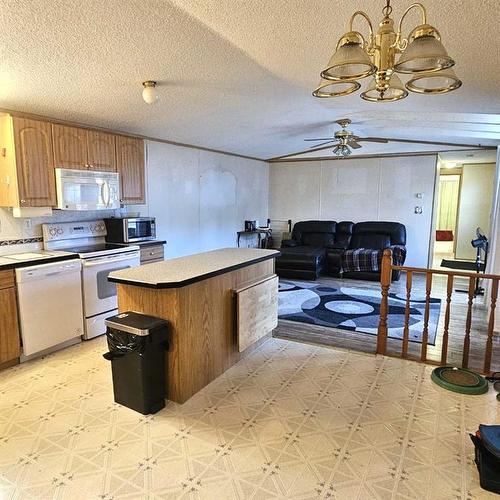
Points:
(100, 262)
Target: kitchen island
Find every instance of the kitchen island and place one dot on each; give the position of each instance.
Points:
(220, 306)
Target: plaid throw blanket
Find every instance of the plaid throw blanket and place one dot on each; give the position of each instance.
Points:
(368, 260)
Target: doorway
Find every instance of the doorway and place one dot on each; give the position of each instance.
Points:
(450, 180)
(465, 193)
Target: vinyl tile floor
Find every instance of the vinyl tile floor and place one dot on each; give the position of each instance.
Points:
(291, 421)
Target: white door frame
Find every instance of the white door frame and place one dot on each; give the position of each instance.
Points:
(493, 266)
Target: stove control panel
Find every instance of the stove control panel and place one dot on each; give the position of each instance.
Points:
(72, 230)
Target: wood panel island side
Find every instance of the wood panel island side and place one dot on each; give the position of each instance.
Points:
(220, 306)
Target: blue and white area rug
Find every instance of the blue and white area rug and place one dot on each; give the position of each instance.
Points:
(354, 309)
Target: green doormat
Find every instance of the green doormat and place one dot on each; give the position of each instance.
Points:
(459, 380)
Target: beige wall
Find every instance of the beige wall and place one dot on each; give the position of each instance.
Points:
(474, 207)
(359, 190)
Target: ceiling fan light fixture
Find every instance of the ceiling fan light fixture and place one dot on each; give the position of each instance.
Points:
(329, 88)
(149, 93)
(342, 150)
(385, 90)
(425, 53)
(436, 82)
(350, 61)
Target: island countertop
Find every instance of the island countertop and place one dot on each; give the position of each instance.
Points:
(182, 271)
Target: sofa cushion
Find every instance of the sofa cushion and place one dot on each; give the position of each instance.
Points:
(395, 230)
(371, 241)
(312, 226)
(318, 239)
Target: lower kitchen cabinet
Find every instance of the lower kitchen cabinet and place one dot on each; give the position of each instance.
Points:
(10, 342)
(152, 253)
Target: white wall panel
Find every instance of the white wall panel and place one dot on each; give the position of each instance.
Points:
(359, 190)
(200, 199)
(295, 190)
(347, 189)
(401, 180)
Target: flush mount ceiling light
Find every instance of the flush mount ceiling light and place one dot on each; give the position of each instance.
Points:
(149, 93)
(421, 54)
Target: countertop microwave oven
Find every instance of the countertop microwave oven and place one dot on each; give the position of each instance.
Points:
(130, 229)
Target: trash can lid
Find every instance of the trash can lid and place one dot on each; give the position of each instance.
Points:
(135, 323)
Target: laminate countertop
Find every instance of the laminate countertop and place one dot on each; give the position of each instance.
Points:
(182, 271)
(33, 258)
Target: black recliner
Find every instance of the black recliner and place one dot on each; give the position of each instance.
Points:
(376, 236)
(303, 256)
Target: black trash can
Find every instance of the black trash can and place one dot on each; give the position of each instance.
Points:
(137, 345)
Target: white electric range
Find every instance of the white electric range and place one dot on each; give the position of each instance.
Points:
(87, 239)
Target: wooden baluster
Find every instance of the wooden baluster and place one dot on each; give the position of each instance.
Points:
(385, 284)
(449, 291)
(491, 326)
(468, 322)
(425, 333)
(406, 331)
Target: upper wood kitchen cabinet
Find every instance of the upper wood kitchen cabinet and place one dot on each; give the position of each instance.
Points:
(70, 147)
(83, 149)
(130, 165)
(26, 163)
(101, 151)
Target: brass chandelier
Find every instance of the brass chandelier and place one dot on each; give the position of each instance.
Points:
(421, 55)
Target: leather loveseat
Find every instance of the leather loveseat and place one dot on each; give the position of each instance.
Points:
(318, 247)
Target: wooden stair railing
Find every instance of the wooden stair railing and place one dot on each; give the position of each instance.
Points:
(385, 284)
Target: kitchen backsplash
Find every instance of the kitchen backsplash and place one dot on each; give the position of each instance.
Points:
(14, 231)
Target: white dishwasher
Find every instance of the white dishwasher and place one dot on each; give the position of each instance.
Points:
(50, 305)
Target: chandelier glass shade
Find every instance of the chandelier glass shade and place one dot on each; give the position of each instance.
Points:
(349, 62)
(437, 82)
(328, 88)
(386, 52)
(385, 90)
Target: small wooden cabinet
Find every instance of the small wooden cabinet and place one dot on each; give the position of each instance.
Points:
(101, 151)
(82, 149)
(130, 165)
(10, 343)
(26, 163)
(70, 147)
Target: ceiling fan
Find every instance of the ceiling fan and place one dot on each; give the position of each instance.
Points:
(344, 140)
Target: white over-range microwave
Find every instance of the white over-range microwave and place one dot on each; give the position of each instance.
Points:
(87, 190)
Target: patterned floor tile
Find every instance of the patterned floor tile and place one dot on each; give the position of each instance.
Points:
(291, 421)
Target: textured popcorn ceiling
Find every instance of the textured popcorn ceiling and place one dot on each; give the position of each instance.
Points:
(235, 75)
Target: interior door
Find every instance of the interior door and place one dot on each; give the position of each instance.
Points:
(70, 146)
(130, 166)
(34, 162)
(101, 151)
